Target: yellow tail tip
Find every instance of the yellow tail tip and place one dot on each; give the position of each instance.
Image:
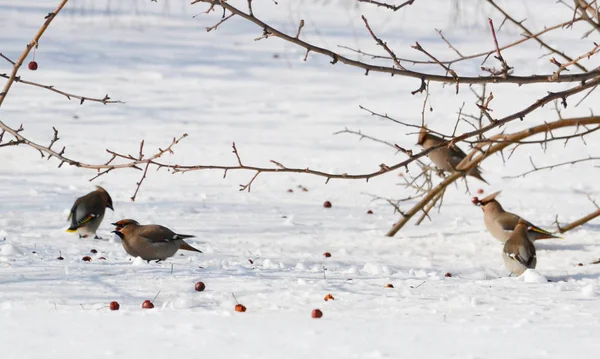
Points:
(71, 230)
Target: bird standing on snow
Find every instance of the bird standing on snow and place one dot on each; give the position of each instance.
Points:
(88, 211)
(501, 223)
(519, 251)
(445, 158)
(150, 242)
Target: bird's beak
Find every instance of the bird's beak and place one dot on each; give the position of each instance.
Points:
(115, 224)
(111, 208)
(120, 234)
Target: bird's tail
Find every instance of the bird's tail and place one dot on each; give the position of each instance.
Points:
(541, 234)
(477, 174)
(187, 247)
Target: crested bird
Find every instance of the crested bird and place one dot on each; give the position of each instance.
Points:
(445, 158)
(501, 223)
(88, 212)
(519, 251)
(151, 241)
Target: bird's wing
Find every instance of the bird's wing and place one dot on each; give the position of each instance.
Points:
(520, 253)
(508, 221)
(157, 234)
(81, 214)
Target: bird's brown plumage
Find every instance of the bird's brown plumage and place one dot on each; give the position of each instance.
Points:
(519, 252)
(88, 211)
(152, 241)
(445, 158)
(501, 223)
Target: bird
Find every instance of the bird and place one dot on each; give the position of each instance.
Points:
(519, 251)
(151, 241)
(445, 158)
(501, 223)
(88, 212)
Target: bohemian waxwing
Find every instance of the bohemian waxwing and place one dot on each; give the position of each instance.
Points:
(501, 223)
(519, 251)
(150, 242)
(445, 158)
(88, 211)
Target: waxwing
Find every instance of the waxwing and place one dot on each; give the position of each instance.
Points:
(519, 251)
(88, 211)
(150, 242)
(445, 158)
(501, 223)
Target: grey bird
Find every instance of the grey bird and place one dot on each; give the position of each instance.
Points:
(519, 251)
(445, 158)
(152, 241)
(88, 212)
(501, 223)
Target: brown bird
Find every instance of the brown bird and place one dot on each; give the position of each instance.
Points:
(519, 251)
(88, 212)
(501, 223)
(152, 241)
(445, 158)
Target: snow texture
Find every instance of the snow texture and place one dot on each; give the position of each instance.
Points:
(267, 246)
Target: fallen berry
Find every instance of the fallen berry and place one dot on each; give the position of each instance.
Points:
(114, 306)
(102, 258)
(369, 212)
(326, 254)
(290, 190)
(327, 204)
(240, 308)
(580, 264)
(448, 275)
(147, 304)
(93, 251)
(329, 297)
(389, 285)
(199, 287)
(316, 313)
(86, 259)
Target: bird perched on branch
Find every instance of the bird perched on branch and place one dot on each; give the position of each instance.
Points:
(501, 223)
(519, 251)
(445, 158)
(152, 241)
(88, 211)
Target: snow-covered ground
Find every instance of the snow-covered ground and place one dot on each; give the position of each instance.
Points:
(222, 87)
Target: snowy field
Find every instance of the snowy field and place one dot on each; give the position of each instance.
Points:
(222, 87)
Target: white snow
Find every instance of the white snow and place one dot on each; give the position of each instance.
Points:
(533, 276)
(222, 87)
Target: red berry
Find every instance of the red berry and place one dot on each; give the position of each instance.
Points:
(240, 308)
(86, 259)
(329, 297)
(316, 313)
(114, 306)
(389, 285)
(475, 200)
(199, 287)
(304, 189)
(480, 191)
(326, 254)
(448, 275)
(327, 204)
(102, 258)
(290, 190)
(147, 304)
(580, 264)
(33, 65)
(93, 251)
(369, 212)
